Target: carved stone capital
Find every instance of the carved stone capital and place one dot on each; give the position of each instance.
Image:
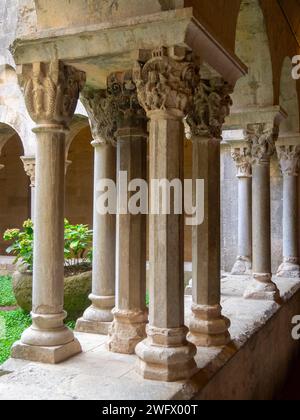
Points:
(51, 91)
(211, 105)
(29, 167)
(129, 114)
(261, 139)
(166, 82)
(289, 158)
(242, 157)
(101, 111)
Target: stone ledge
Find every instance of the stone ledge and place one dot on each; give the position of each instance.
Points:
(259, 357)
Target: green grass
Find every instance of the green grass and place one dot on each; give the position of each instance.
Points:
(14, 322)
(6, 292)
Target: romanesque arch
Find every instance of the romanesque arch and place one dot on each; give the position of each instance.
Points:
(14, 183)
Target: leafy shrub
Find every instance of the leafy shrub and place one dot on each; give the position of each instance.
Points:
(77, 249)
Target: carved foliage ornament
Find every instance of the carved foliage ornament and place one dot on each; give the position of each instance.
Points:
(289, 158)
(164, 83)
(101, 111)
(261, 139)
(211, 106)
(51, 91)
(242, 158)
(122, 90)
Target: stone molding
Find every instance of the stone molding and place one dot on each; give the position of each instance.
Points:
(242, 157)
(289, 158)
(51, 91)
(261, 139)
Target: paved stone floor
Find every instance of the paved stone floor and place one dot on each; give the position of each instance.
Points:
(99, 375)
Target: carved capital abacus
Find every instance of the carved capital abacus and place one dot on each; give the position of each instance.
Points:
(242, 157)
(29, 167)
(211, 105)
(261, 139)
(166, 82)
(51, 91)
(101, 111)
(122, 91)
(289, 159)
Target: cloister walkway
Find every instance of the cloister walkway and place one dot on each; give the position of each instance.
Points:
(259, 328)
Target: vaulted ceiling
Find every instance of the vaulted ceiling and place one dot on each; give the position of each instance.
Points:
(291, 10)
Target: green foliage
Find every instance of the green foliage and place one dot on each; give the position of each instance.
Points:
(7, 297)
(22, 243)
(78, 244)
(15, 323)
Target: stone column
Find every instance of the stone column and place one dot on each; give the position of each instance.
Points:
(289, 157)
(29, 167)
(261, 139)
(51, 92)
(242, 158)
(98, 317)
(164, 89)
(130, 313)
(211, 105)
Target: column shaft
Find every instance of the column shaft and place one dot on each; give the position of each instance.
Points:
(98, 317)
(166, 354)
(48, 330)
(130, 314)
(207, 326)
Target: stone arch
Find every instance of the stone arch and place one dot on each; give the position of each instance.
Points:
(14, 184)
(289, 98)
(79, 177)
(20, 125)
(252, 47)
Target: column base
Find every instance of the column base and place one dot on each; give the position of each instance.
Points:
(290, 268)
(98, 318)
(92, 327)
(242, 266)
(262, 288)
(49, 355)
(208, 328)
(127, 330)
(166, 355)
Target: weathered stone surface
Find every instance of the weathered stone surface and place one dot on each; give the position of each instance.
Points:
(262, 351)
(76, 291)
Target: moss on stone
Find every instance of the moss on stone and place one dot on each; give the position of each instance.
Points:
(77, 289)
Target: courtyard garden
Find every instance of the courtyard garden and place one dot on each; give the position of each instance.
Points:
(16, 290)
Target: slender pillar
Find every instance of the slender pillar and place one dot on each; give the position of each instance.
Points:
(29, 167)
(164, 89)
(262, 142)
(51, 94)
(211, 104)
(130, 313)
(98, 317)
(289, 157)
(242, 158)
